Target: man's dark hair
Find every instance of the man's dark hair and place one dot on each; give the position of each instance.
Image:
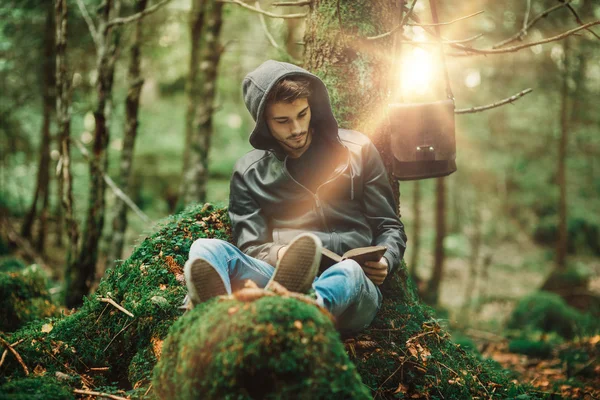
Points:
(289, 90)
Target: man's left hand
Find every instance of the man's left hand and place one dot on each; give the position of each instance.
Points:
(376, 271)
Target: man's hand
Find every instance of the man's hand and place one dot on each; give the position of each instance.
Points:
(376, 271)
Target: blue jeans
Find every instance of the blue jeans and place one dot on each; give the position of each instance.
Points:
(343, 289)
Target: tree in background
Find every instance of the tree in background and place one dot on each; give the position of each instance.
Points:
(205, 28)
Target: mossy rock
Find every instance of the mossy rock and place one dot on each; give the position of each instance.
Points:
(36, 388)
(548, 312)
(24, 295)
(271, 348)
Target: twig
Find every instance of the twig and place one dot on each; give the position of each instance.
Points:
(102, 313)
(263, 23)
(445, 41)
(400, 25)
(519, 35)
(135, 17)
(493, 105)
(99, 394)
(17, 356)
(446, 23)
(410, 339)
(99, 369)
(113, 339)
(89, 22)
(118, 192)
(148, 391)
(268, 14)
(579, 21)
(114, 303)
(526, 18)
(339, 14)
(523, 46)
(292, 3)
(5, 352)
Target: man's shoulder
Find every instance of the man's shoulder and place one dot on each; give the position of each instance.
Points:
(250, 159)
(353, 139)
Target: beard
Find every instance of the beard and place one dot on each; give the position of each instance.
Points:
(291, 142)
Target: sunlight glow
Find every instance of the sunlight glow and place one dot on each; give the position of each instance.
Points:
(417, 71)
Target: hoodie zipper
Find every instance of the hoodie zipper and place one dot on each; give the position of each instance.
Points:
(316, 193)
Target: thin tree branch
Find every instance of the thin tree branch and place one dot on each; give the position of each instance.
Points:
(118, 192)
(14, 352)
(116, 305)
(135, 17)
(493, 105)
(263, 23)
(579, 21)
(446, 23)
(526, 19)
(292, 3)
(523, 46)
(445, 41)
(121, 331)
(99, 394)
(5, 352)
(268, 14)
(519, 35)
(400, 25)
(88, 21)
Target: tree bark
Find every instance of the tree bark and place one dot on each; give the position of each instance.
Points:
(131, 126)
(201, 103)
(63, 100)
(561, 245)
(48, 72)
(81, 275)
(433, 290)
(416, 234)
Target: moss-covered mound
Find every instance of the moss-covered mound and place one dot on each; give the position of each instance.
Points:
(36, 388)
(548, 312)
(271, 348)
(24, 295)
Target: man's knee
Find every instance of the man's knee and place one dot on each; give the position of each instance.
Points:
(205, 244)
(351, 269)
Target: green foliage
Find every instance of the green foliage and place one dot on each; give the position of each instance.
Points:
(36, 388)
(272, 348)
(11, 264)
(532, 348)
(548, 312)
(23, 295)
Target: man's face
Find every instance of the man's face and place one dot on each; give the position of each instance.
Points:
(289, 124)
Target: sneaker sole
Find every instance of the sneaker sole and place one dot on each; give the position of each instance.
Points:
(298, 266)
(203, 281)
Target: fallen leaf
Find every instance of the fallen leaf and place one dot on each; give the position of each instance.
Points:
(401, 389)
(47, 328)
(298, 324)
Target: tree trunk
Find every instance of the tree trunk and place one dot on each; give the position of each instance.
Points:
(131, 126)
(63, 100)
(416, 234)
(202, 98)
(475, 241)
(561, 245)
(49, 82)
(433, 290)
(81, 275)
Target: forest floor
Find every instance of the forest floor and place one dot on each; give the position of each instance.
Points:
(514, 270)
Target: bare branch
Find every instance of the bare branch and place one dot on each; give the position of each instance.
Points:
(268, 14)
(444, 41)
(88, 21)
(263, 23)
(14, 352)
(525, 45)
(493, 105)
(118, 192)
(116, 305)
(579, 21)
(527, 11)
(446, 23)
(135, 17)
(400, 25)
(99, 394)
(519, 35)
(292, 3)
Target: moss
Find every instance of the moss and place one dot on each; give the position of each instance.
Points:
(272, 348)
(548, 312)
(11, 264)
(533, 348)
(23, 296)
(36, 388)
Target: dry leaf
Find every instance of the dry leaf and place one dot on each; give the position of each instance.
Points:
(47, 328)
(298, 324)
(39, 370)
(401, 389)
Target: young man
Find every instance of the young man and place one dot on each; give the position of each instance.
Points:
(307, 185)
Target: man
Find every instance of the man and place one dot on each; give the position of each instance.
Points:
(306, 185)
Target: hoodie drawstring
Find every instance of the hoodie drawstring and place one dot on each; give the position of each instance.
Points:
(351, 182)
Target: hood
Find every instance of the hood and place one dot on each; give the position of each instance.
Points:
(256, 87)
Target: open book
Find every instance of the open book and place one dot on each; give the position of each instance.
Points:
(360, 255)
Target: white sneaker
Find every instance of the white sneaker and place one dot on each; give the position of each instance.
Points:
(297, 268)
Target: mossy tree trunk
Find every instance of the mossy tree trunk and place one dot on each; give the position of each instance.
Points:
(132, 104)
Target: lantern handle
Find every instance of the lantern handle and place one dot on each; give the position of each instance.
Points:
(434, 16)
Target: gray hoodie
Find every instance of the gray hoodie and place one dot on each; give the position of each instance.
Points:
(354, 207)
